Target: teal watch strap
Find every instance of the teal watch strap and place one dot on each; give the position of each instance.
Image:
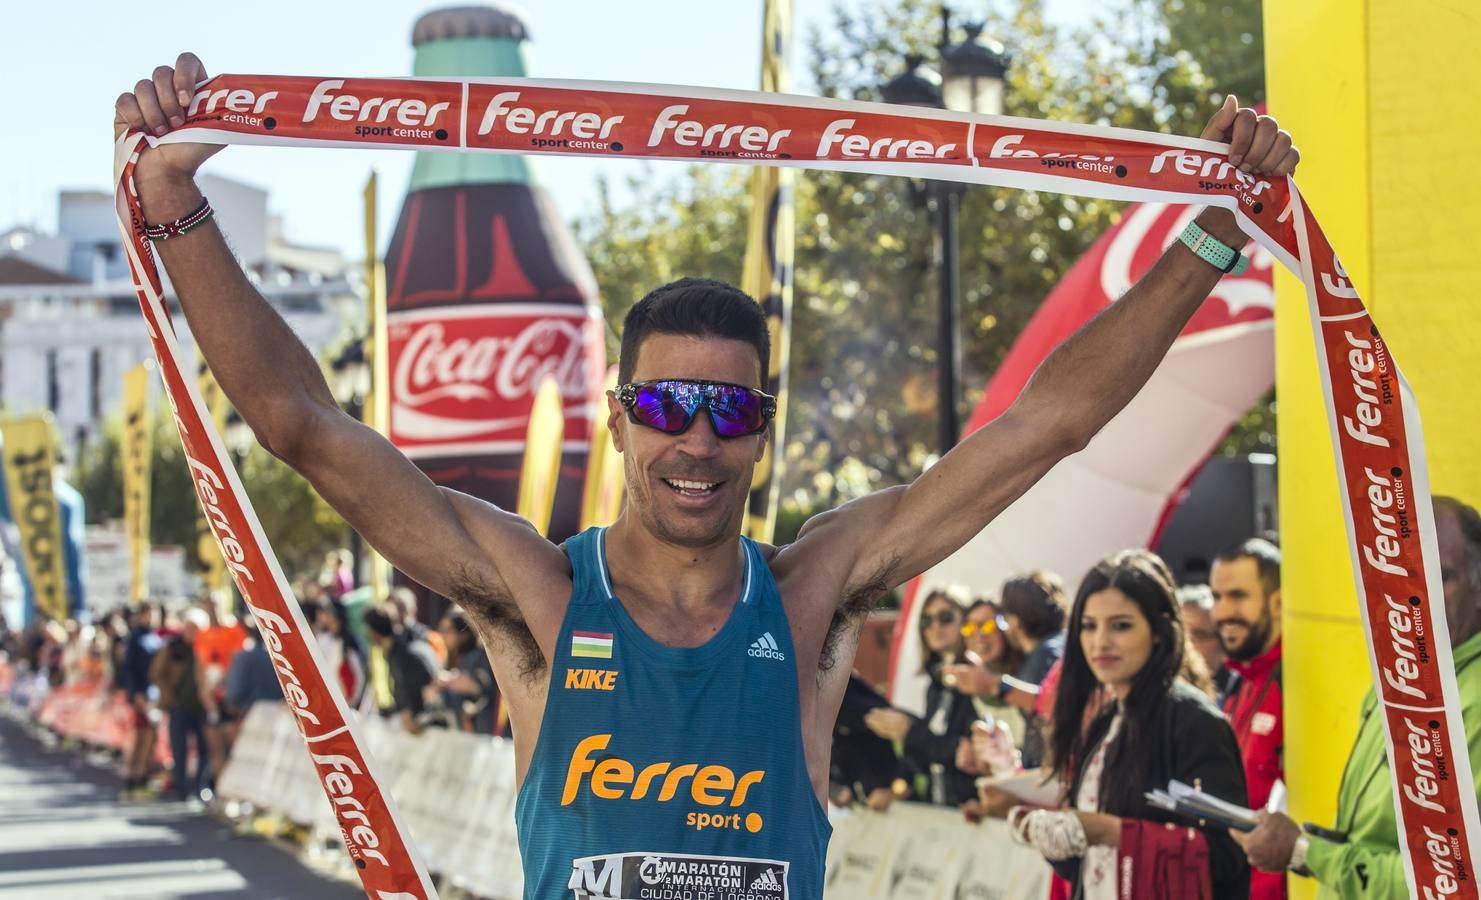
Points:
(1214, 251)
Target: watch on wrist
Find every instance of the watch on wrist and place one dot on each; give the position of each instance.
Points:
(1213, 251)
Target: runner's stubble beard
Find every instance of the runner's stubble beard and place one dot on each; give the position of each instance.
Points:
(659, 516)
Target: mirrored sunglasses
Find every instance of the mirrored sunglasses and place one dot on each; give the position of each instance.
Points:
(670, 405)
(945, 617)
(991, 626)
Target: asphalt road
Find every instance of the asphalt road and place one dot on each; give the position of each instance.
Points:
(65, 834)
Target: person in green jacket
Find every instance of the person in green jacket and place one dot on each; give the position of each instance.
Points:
(1369, 864)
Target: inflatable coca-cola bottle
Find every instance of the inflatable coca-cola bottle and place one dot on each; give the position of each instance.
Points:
(487, 294)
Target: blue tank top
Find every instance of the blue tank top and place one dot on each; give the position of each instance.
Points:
(664, 773)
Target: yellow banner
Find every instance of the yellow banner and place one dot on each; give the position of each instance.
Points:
(542, 462)
(767, 275)
(601, 499)
(213, 573)
(30, 463)
(136, 457)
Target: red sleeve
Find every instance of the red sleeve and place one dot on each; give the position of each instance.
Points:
(1044, 706)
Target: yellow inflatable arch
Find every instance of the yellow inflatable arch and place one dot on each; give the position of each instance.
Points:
(1382, 97)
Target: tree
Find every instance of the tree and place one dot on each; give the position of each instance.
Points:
(1225, 39)
(862, 410)
(299, 525)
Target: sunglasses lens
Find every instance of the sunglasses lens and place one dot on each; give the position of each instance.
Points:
(670, 406)
(735, 411)
(662, 405)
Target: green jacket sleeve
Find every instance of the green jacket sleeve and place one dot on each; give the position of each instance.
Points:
(1372, 871)
(1360, 871)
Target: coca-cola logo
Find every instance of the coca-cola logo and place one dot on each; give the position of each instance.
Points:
(453, 379)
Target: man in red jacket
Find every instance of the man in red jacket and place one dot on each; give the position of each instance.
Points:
(1246, 585)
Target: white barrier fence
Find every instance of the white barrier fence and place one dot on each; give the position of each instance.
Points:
(455, 793)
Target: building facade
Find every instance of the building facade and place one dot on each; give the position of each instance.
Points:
(69, 319)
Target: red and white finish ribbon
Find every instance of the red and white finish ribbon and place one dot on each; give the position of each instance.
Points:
(1372, 414)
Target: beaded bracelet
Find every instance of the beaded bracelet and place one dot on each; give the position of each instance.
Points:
(188, 222)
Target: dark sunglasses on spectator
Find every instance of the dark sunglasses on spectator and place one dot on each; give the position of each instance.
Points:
(941, 618)
(985, 628)
(670, 405)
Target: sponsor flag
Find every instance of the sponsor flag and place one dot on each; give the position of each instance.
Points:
(136, 459)
(767, 274)
(1221, 364)
(542, 460)
(31, 456)
(591, 644)
(375, 358)
(18, 615)
(74, 541)
(601, 498)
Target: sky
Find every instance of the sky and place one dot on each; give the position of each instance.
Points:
(64, 62)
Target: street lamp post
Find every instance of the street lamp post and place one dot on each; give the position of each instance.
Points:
(972, 79)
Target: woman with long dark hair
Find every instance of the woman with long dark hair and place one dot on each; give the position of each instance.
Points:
(1126, 637)
(929, 745)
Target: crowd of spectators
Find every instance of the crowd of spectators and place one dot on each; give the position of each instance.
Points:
(1107, 696)
(188, 672)
(1135, 683)
(1132, 683)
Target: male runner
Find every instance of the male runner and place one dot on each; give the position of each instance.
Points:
(671, 685)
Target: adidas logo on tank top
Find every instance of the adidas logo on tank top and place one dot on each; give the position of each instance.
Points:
(765, 647)
(767, 881)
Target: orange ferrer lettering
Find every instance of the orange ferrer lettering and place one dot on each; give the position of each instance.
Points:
(581, 763)
(675, 777)
(610, 772)
(712, 778)
(646, 779)
(745, 783)
(612, 776)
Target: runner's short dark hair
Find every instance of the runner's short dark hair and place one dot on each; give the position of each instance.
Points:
(701, 307)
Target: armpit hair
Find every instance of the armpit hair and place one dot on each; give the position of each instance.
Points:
(859, 600)
(497, 617)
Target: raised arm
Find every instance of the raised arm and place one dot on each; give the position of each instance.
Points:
(1078, 388)
(457, 546)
